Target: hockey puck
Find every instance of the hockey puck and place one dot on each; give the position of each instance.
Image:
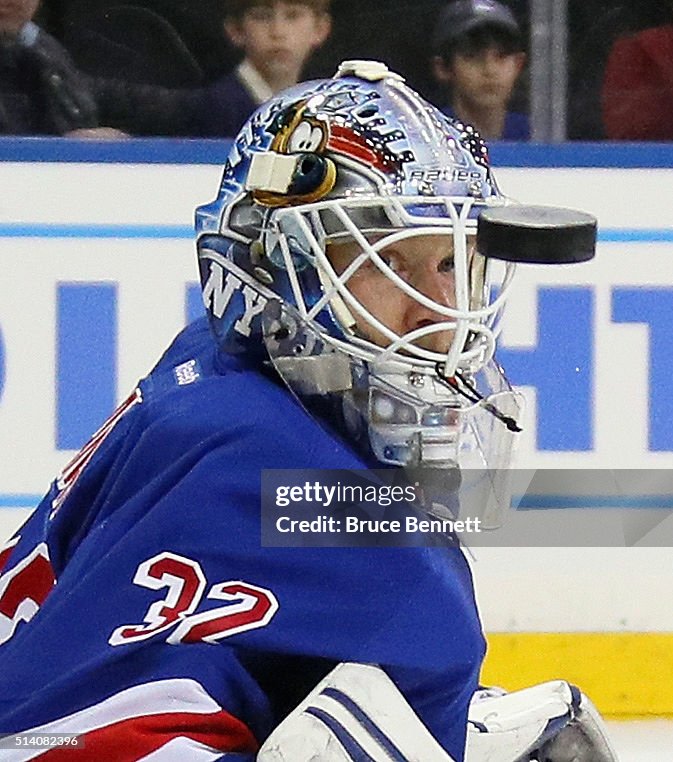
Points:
(543, 235)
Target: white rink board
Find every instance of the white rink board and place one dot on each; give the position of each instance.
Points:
(610, 589)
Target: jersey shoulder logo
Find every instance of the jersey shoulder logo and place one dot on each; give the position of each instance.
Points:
(187, 372)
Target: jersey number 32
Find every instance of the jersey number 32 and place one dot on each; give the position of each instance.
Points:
(246, 606)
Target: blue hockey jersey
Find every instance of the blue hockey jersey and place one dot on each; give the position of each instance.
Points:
(139, 609)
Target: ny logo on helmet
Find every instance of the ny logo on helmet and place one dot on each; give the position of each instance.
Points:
(225, 283)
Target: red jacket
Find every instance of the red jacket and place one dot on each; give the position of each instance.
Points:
(637, 96)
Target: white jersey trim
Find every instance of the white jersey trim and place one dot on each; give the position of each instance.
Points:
(160, 697)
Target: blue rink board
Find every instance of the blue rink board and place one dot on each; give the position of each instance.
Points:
(189, 151)
(57, 230)
(214, 152)
(536, 502)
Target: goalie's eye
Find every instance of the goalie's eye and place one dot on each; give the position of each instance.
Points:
(395, 261)
(447, 265)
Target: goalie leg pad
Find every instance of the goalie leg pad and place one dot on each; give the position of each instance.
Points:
(356, 714)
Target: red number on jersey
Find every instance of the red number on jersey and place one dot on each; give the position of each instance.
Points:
(248, 606)
(23, 590)
(6, 552)
(185, 582)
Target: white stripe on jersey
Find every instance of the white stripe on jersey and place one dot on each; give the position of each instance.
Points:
(159, 697)
(180, 750)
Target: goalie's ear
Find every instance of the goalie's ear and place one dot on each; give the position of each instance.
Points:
(355, 713)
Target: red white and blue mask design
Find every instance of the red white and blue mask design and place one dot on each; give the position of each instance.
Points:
(343, 182)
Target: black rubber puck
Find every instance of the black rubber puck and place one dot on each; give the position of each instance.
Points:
(537, 234)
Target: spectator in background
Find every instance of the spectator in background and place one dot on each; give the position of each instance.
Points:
(478, 59)
(637, 94)
(41, 91)
(395, 32)
(276, 38)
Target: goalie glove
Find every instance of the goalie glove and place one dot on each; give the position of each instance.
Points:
(550, 722)
(583, 739)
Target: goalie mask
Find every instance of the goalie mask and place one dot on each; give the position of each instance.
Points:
(342, 246)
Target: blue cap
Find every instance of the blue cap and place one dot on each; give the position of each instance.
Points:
(462, 16)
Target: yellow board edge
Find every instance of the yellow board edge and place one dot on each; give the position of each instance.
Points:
(626, 674)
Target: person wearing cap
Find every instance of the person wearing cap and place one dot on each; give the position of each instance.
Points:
(478, 58)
